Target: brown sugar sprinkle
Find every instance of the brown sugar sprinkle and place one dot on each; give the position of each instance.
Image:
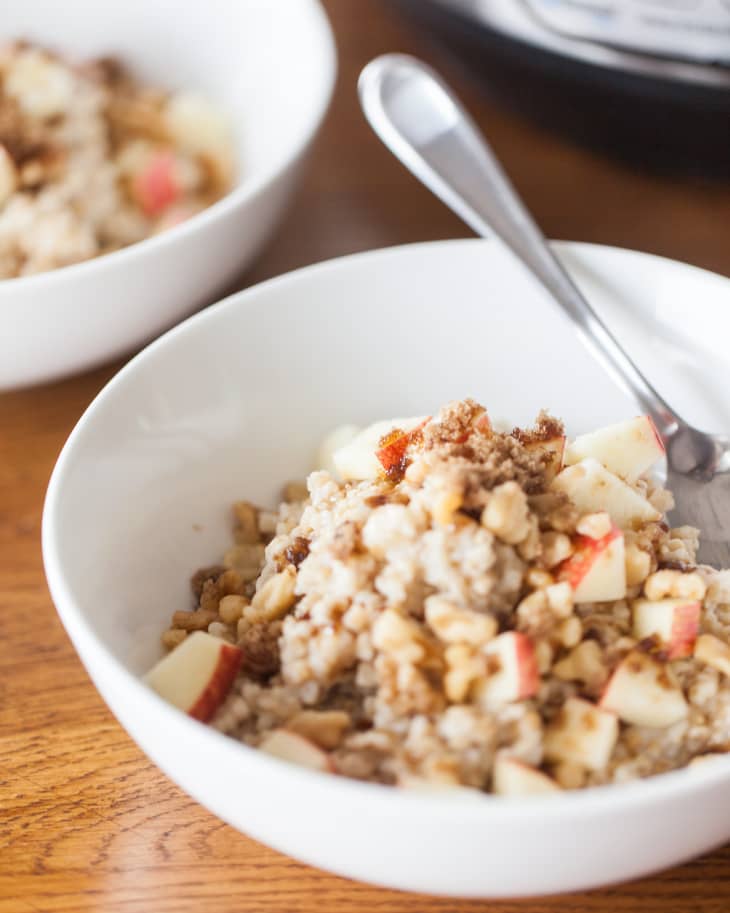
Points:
(483, 463)
(546, 428)
(454, 426)
(261, 649)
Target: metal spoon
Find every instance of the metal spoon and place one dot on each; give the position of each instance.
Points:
(423, 124)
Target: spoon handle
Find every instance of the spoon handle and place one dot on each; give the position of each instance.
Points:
(424, 125)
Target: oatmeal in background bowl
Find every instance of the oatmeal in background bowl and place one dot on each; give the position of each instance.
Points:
(445, 605)
(92, 161)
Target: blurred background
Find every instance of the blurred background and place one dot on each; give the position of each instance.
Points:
(611, 117)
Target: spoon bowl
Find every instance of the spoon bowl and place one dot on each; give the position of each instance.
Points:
(424, 125)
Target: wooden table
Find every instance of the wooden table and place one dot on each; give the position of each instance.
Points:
(86, 821)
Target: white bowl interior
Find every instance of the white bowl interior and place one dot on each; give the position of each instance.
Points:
(251, 56)
(234, 401)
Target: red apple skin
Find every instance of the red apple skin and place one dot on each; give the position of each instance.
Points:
(229, 662)
(529, 675)
(685, 626)
(640, 670)
(574, 569)
(513, 672)
(155, 187)
(533, 773)
(656, 434)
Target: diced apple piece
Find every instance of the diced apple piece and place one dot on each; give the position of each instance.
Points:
(644, 691)
(556, 448)
(582, 734)
(417, 783)
(512, 777)
(713, 651)
(200, 128)
(597, 568)
(289, 746)
(357, 459)
(627, 449)
(155, 186)
(334, 441)
(513, 672)
(591, 487)
(674, 622)
(197, 675)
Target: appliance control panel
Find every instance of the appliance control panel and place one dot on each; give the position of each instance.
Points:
(694, 30)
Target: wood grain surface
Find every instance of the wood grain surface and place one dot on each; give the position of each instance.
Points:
(86, 821)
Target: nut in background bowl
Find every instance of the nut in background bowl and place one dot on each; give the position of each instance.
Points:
(271, 68)
(141, 497)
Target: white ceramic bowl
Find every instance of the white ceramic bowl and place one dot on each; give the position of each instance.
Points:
(272, 67)
(140, 497)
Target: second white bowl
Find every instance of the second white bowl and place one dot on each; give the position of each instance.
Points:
(271, 66)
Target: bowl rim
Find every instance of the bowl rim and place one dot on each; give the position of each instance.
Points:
(680, 783)
(240, 194)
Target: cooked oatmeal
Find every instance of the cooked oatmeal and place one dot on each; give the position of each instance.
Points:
(503, 611)
(91, 160)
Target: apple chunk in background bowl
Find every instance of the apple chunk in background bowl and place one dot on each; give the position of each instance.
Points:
(270, 67)
(149, 477)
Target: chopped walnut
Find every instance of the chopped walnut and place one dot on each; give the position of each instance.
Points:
(228, 583)
(275, 597)
(201, 576)
(675, 584)
(506, 514)
(173, 637)
(193, 621)
(246, 523)
(324, 727)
